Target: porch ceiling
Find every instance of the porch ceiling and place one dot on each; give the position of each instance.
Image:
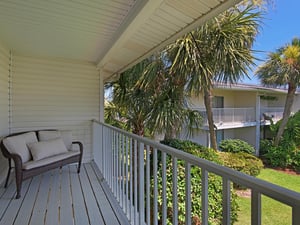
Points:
(112, 34)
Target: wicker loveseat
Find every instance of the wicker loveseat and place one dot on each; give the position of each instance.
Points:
(35, 152)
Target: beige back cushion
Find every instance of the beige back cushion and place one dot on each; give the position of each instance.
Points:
(44, 149)
(18, 145)
(45, 135)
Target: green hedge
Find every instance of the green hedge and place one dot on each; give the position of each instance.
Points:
(236, 145)
(215, 186)
(242, 162)
(287, 153)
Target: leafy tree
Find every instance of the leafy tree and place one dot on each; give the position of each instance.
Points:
(218, 51)
(282, 67)
(130, 105)
(160, 105)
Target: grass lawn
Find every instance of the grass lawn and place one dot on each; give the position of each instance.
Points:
(273, 212)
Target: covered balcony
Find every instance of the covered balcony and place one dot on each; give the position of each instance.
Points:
(231, 117)
(271, 113)
(54, 59)
(225, 118)
(126, 183)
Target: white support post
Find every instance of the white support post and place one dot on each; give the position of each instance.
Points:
(188, 199)
(141, 174)
(257, 128)
(101, 96)
(226, 202)
(204, 199)
(255, 208)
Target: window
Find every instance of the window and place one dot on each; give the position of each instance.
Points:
(218, 102)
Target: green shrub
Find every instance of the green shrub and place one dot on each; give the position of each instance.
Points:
(264, 147)
(193, 148)
(214, 186)
(236, 145)
(286, 155)
(243, 162)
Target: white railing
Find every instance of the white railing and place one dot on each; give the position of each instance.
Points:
(125, 162)
(230, 115)
(275, 113)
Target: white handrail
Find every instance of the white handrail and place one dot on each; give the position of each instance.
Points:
(230, 115)
(109, 144)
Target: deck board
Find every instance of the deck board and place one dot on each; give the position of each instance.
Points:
(80, 216)
(25, 212)
(60, 196)
(52, 216)
(95, 215)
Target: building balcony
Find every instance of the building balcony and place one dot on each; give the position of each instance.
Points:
(225, 118)
(271, 113)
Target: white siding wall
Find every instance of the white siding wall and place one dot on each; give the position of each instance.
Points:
(246, 134)
(4, 106)
(48, 93)
(296, 105)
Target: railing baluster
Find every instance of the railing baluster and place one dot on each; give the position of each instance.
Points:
(226, 201)
(174, 194)
(123, 171)
(118, 167)
(255, 208)
(204, 197)
(141, 177)
(135, 189)
(148, 184)
(111, 162)
(188, 201)
(296, 215)
(131, 180)
(126, 175)
(164, 188)
(155, 188)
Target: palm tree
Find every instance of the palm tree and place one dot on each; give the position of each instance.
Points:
(130, 105)
(160, 105)
(282, 67)
(170, 110)
(219, 51)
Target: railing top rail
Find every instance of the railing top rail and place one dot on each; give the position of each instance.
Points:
(276, 192)
(225, 108)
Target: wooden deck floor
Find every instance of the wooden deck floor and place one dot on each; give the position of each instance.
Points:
(63, 197)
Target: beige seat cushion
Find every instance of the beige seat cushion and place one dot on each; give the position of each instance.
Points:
(43, 149)
(66, 135)
(43, 162)
(19, 145)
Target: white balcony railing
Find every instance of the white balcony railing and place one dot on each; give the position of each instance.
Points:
(275, 113)
(230, 115)
(124, 160)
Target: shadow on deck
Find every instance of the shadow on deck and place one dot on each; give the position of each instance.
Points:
(63, 197)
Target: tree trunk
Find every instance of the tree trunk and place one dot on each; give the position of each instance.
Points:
(211, 126)
(286, 113)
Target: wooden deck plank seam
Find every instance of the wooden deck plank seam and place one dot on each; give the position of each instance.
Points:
(119, 213)
(43, 197)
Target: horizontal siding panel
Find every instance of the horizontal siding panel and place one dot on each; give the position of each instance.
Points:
(55, 94)
(4, 103)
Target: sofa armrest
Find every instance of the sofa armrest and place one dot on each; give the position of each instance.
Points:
(17, 161)
(81, 152)
(80, 146)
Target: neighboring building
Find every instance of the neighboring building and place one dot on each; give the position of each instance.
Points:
(242, 112)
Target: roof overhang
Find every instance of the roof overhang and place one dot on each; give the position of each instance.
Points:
(112, 34)
(251, 88)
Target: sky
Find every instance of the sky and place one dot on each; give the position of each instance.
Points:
(280, 25)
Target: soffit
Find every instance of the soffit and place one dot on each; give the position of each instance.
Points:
(114, 34)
